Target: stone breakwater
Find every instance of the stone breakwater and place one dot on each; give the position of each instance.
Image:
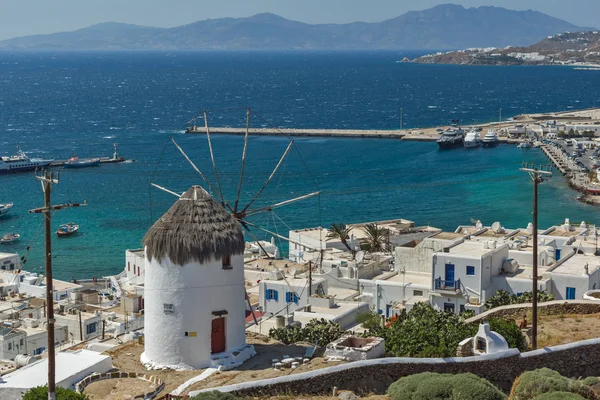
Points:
(575, 360)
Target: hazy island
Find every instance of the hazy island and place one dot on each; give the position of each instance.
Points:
(579, 48)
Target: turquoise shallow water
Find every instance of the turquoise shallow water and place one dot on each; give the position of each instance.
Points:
(55, 104)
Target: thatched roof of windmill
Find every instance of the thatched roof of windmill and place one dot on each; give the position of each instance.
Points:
(195, 229)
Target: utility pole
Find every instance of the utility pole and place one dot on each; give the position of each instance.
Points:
(500, 118)
(401, 116)
(309, 279)
(537, 174)
(48, 179)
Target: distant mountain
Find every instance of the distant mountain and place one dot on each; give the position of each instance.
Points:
(571, 48)
(442, 27)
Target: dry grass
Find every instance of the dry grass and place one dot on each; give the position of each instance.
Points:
(259, 367)
(554, 330)
(127, 359)
(368, 397)
(118, 389)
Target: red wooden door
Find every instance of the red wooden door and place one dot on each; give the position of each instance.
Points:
(217, 337)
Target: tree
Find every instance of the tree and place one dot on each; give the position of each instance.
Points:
(503, 298)
(341, 232)
(316, 330)
(376, 239)
(41, 393)
(371, 321)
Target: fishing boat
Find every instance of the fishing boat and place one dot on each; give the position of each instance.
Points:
(76, 162)
(472, 139)
(490, 139)
(10, 237)
(67, 229)
(21, 162)
(4, 208)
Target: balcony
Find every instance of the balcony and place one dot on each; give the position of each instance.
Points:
(448, 285)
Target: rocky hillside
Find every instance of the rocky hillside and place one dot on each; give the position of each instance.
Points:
(562, 49)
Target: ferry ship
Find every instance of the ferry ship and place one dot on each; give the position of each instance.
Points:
(450, 138)
(21, 162)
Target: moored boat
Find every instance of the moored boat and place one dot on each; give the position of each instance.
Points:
(4, 208)
(21, 162)
(490, 139)
(76, 162)
(67, 229)
(472, 139)
(450, 138)
(10, 237)
(524, 145)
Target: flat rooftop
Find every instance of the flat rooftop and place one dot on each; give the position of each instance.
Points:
(470, 248)
(447, 236)
(560, 232)
(496, 235)
(68, 364)
(337, 310)
(526, 272)
(575, 265)
(138, 252)
(6, 255)
(411, 277)
(341, 293)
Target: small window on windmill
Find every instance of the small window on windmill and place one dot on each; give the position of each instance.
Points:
(168, 308)
(226, 260)
(481, 345)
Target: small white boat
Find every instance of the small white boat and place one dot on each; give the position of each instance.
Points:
(472, 139)
(4, 208)
(524, 145)
(10, 237)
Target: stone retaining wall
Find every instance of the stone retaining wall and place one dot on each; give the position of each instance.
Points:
(555, 307)
(579, 359)
(81, 385)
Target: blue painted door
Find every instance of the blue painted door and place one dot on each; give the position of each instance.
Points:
(449, 273)
(387, 310)
(557, 254)
(570, 293)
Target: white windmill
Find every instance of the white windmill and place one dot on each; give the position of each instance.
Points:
(194, 279)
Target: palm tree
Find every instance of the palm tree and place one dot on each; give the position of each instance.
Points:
(340, 232)
(376, 239)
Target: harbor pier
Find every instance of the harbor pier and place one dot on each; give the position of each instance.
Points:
(557, 158)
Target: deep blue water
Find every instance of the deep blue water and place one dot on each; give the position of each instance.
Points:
(56, 104)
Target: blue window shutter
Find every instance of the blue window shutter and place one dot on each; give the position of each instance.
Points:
(296, 298)
(266, 294)
(276, 295)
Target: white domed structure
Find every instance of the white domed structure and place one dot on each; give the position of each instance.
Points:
(194, 287)
(487, 341)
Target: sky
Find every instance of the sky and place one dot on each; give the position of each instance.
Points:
(28, 17)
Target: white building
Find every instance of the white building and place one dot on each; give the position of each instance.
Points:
(82, 325)
(278, 296)
(194, 287)
(71, 367)
(135, 267)
(27, 337)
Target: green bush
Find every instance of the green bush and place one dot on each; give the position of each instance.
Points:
(323, 331)
(432, 386)
(510, 331)
(214, 395)
(426, 332)
(559, 396)
(591, 381)
(535, 383)
(41, 393)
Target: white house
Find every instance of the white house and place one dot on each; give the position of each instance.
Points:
(194, 287)
(463, 275)
(278, 296)
(134, 268)
(81, 325)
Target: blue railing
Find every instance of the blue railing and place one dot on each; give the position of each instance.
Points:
(443, 284)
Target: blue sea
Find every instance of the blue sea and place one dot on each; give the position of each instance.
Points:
(56, 104)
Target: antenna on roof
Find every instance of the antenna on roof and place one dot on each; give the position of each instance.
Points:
(496, 227)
